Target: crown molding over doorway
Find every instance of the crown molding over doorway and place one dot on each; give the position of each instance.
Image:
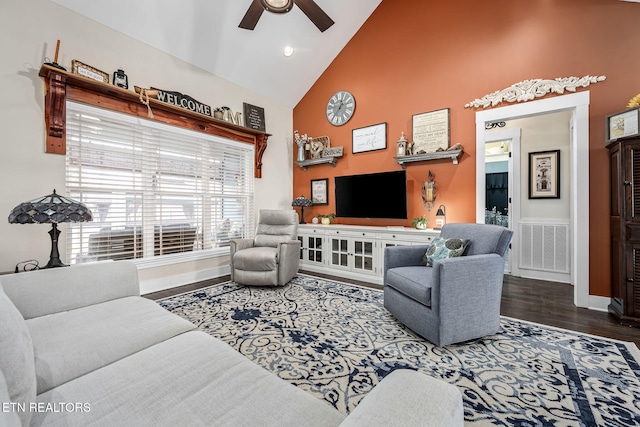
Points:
(528, 90)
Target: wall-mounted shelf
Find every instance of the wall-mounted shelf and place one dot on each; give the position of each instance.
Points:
(331, 160)
(452, 154)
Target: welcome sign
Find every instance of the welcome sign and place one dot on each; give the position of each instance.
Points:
(184, 101)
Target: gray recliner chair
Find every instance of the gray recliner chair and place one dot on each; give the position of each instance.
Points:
(272, 258)
(457, 299)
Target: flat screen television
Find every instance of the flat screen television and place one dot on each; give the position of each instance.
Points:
(375, 195)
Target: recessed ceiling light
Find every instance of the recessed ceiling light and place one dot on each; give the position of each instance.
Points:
(287, 51)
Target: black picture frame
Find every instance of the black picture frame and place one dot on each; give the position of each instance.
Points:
(320, 192)
(369, 138)
(544, 174)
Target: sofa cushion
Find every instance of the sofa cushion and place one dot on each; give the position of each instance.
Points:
(190, 380)
(256, 259)
(16, 356)
(276, 226)
(442, 248)
(8, 418)
(73, 343)
(437, 404)
(413, 281)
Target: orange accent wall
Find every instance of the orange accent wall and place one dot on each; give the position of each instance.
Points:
(413, 56)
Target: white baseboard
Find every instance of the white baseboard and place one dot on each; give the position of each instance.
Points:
(155, 285)
(599, 303)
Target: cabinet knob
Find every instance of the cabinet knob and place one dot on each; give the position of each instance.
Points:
(627, 183)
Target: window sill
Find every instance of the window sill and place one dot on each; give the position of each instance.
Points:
(164, 260)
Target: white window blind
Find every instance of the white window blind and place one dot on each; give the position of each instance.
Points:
(154, 189)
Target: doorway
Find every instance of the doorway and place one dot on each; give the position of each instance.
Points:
(578, 105)
(502, 187)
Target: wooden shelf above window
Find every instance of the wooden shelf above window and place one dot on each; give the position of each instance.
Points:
(61, 86)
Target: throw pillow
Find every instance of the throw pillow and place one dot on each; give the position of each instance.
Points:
(442, 248)
(17, 361)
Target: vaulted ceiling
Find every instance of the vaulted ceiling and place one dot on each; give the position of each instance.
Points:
(205, 33)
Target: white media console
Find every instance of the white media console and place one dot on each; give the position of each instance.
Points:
(354, 251)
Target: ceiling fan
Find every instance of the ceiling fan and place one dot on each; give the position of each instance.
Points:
(309, 7)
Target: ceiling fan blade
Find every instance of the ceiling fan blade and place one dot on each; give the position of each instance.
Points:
(252, 16)
(315, 14)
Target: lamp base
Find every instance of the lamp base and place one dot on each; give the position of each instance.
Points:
(302, 215)
(54, 257)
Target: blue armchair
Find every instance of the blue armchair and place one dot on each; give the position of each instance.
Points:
(457, 299)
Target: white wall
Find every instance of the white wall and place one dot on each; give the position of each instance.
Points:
(542, 133)
(28, 33)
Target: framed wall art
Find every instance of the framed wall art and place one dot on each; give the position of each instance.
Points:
(319, 191)
(369, 138)
(544, 175)
(624, 124)
(430, 131)
(85, 70)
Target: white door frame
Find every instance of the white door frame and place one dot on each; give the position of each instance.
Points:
(513, 136)
(578, 104)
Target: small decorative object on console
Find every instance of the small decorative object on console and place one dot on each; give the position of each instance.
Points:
(420, 222)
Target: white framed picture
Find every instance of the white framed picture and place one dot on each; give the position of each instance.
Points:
(369, 138)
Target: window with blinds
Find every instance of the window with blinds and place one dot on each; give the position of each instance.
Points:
(154, 189)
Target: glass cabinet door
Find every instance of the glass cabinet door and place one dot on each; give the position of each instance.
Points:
(363, 255)
(339, 252)
(314, 251)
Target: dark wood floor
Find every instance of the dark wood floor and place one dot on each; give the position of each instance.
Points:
(548, 303)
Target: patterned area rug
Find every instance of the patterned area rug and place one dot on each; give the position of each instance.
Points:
(336, 341)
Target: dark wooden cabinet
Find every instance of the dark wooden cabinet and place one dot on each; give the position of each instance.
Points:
(624, 162)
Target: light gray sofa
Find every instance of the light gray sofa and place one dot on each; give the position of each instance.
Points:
(80, 347)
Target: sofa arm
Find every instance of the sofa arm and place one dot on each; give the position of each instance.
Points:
(406, 398)
(53, 290)
(402, 256)
(236, 245)
(288, 260)
(465, 300)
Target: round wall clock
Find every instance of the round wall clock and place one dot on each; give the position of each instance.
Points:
(340, 108)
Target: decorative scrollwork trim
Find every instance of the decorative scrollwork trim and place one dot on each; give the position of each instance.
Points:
(528, 90)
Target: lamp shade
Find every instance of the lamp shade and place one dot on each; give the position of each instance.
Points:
(53, 208)
(301, 201)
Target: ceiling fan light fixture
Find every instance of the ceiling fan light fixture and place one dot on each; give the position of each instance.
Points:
(277, 6)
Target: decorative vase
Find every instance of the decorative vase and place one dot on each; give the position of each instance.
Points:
(421, 226)
(326, 221)
(301, 153)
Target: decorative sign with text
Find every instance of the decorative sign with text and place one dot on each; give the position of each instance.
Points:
(184, 101)
(253, 117)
